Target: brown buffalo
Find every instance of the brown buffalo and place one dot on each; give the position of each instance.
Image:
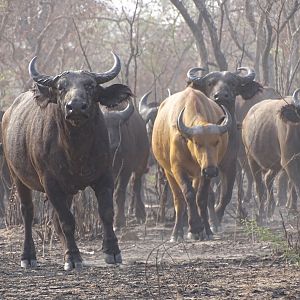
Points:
(189, 144)
(271, 135)
(223, 87)
(129, 148)
(252, 93)
(55, 141)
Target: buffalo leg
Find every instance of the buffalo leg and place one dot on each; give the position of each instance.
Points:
(119, 197)
(211, 208)
(28, 256)
(179, 205)
(269, 180)
(291, 203)
(202, 198)
(104, 193)
(282, 190)
(61, 203)
(259, 185)
(227, 179)
(294, 177)
(70, 262)
(163, 203)
(195, 222)
(140, 212)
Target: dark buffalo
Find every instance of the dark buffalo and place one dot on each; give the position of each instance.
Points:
(271, 135)
(223, 87)
(55, 141)
(129, 148)
(148, 112)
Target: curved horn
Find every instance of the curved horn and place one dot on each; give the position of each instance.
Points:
(184, 130)
(191, 74)
(37, 77)
(110, 74)
(296, 99)
(143, 102)
(148, 113)
(123, 115)
(250, 74)
(226, 124)
(208, 129)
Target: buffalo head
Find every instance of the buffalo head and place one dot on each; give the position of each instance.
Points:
(77, 92)
(222, 87)
(204, 141)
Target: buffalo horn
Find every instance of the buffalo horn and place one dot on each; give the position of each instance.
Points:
(145, 111)
(207, 129)
(191, 74)
(110, 74)
(123, 115)
(296, 99)
(37, 77)
(250, 74)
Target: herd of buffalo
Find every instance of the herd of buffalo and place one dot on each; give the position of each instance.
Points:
(69, 132)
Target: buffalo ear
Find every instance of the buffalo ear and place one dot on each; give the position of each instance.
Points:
(43, 95)
(247, 91)
(113, 94)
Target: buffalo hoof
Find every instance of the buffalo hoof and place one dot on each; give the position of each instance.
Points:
(209, 237)
(113, 258)
(70, 265)
(195, 236)
(214, 228)
(25, 263)
(176, 239)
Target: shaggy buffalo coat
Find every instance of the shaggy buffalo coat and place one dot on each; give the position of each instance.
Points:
(55, 141)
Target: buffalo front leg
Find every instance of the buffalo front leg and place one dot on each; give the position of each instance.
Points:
(202, 198)
(139, 207)
(227, 183)
(179, 205)
(65, 224)
(196, 227)
(104, 193)
(72, 259)
(28, 258)
(119, 197)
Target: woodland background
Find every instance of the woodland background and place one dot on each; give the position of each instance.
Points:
(157, 41)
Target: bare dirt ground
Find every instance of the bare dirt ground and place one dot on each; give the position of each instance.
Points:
(232, 266)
